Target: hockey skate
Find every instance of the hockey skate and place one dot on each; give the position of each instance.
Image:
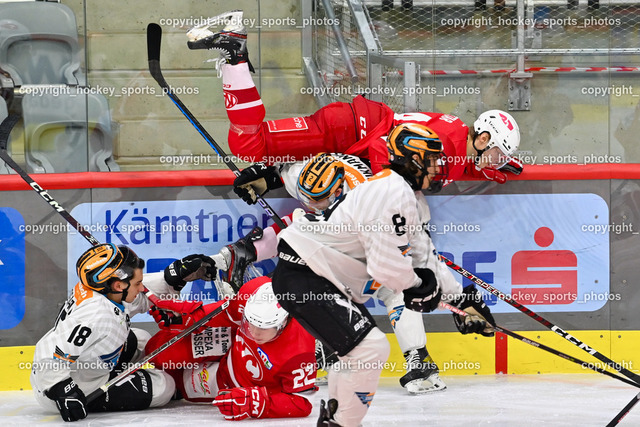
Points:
(326, 413)
(237, 257)
(422, 373)
(231, 41)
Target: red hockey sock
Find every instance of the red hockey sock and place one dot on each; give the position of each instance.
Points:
(241, 98)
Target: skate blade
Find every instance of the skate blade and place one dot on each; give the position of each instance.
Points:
(232, 18)
(424, 386)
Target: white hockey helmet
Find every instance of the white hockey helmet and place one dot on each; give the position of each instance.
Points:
(505, 135)
(262, 311)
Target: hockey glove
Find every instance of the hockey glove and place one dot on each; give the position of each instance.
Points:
(185, 313)
(69, 399)
(514, 166)
(426, 297)
(167, 319)
(188, 269)
(488, 174)
(479, 319)
(255, 181)
(242, 402)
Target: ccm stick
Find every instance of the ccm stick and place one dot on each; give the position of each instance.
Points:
(154, 40)
(5, 130)
(564, 334)
(545, 348)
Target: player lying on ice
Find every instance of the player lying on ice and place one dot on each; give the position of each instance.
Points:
(91, 341)
(324, 273)
(316, 184)
(251, 361)
(356, 128)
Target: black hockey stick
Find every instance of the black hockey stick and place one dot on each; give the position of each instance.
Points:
(564, 334)
(5, 129)
(624, 411)
(154, 40)
(546, 348)
(134, 367)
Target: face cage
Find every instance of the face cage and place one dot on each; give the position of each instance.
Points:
(246, 330)
(438, 180)
(317, 206)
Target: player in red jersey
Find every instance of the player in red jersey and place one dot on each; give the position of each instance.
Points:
(356, 128)
(253, 362)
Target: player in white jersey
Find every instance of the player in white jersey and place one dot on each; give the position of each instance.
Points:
(375, 234)
(91, 340)
(318, 183)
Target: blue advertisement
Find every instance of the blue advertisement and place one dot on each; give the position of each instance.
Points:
(547, 251)
(12, 268)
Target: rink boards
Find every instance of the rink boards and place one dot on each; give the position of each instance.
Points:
(561, 241)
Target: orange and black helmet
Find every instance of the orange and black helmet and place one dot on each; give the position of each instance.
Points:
(408, 139)
(102, 262)
(321, 177)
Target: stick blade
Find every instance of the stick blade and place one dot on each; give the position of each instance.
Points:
(5, 129)
(154, 39)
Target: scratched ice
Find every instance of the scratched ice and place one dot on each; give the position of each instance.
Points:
(495, 400)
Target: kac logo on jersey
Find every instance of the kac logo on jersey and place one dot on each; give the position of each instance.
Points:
(230, 100)
(12, 267)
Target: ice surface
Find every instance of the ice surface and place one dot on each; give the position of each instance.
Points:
(500, 400)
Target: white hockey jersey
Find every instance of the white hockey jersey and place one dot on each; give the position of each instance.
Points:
(375, 235)
(84, 344)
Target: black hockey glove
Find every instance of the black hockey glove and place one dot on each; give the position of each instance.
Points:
(255, 181)
(479, 319)
(190, 268)
(69, 399)
(426, 297)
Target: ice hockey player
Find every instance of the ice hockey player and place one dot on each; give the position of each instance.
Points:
(251, 361)
(317, 184)
(375, 233)
(92, 339)
(356, 128)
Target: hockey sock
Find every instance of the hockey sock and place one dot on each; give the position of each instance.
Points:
(241, 99)
(353, 380)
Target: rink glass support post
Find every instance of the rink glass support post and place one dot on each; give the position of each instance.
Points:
(520, 81)
(411, 82)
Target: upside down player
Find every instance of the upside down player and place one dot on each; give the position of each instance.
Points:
(317, 184)
(389, 245)
(254, 361)
(92, 339)
(355, 128)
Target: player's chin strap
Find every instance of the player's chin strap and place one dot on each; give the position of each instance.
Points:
(479, 151)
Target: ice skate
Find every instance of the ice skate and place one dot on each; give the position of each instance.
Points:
(326, 413)
(422, 373)
(231, 41)
(237, 258)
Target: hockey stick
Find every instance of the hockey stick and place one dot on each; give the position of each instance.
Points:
(5, 129)
(624, 411)
(564, 334)
(154, 40)
(124, 374)
(545, 348)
